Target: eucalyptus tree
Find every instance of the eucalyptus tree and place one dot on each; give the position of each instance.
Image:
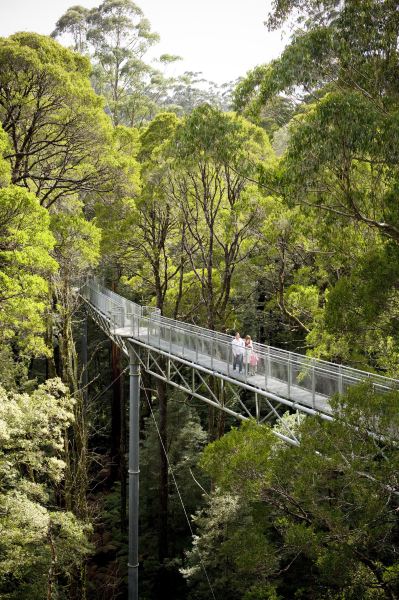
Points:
(26, 264)
(190, 90)
(60, 144)
(141, 232)
(57, 129)
(117, 37)
(74, 23)
(349, 45)
(144, 243)
(216, 155)
(63, 154)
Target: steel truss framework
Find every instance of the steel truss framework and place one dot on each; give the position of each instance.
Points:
(199, 382)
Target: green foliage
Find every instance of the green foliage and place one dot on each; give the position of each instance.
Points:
(351, 171)
(25, 262)
(39, 546)
(77, 242)
(178, 211)
(74, 22)
(317, 520)
(158, 132)
(117, 35)
(255, 444)
(223, 138)
(215, 159)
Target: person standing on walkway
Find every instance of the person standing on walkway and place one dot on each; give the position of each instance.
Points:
(248, 351)
(250, 358)
(238, 348)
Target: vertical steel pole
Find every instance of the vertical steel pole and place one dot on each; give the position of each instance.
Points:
(340, 381)
(134, 474)
(313, 384)
(85, 378)
(257, 407)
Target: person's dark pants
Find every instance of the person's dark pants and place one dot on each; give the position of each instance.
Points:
(237, 360)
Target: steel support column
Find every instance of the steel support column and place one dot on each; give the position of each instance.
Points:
(84, 377)
(134, 474)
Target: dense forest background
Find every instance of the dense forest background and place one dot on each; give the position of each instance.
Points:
(268, 205)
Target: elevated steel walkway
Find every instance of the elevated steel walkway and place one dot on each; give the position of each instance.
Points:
(281, 377)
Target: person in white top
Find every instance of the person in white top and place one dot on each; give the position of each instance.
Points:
(238, 348)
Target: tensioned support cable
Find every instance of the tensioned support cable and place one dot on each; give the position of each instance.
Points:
(100, 394)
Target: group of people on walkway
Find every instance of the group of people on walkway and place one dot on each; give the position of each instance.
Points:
(244, 354)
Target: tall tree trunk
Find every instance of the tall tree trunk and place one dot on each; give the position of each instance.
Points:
(123, 464)
(76, 438)
(221, 417)
(51, 369)
(116, 421)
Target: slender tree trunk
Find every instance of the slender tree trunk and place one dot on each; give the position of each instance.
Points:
(123, 464)
(51, 577)
(116, 421)
(221, 417)
(51, 370)
(76, 438)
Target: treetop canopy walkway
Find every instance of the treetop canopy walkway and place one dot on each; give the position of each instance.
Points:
(303, 383)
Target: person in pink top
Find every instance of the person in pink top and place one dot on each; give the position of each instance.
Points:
(250, 357)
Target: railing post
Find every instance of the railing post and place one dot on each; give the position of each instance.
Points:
(123, 316)
(289, 376)
(267, 367)
(159, 331)
(313, 384)
(85, 378)
(212, 353)
(134, 473)
(340, 382)
(196, 347)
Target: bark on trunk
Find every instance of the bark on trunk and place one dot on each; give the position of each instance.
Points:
(116, 421)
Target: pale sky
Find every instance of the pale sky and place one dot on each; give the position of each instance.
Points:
(221, 38)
